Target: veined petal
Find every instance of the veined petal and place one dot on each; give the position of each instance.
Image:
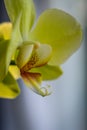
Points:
(5, 30)
(9, 88)
(40, 56)
(26, 7)
(33, 81)
(48, 72)
(61, 31)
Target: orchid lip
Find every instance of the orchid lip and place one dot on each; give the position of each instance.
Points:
(33, 79)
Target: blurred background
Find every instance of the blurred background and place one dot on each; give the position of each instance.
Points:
(66, 108)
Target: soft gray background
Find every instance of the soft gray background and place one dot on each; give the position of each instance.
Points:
(65, 109)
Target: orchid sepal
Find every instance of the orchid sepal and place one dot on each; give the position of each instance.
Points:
(15, 7)
(61, 31)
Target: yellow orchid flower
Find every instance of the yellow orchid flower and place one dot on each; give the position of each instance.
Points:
(39, 50)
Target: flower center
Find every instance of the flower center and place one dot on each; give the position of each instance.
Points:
(33, 55)
(33, 60)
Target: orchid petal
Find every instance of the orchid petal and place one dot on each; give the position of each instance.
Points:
(5, 30)
(43, 53)
(48, 72)
(26, 7)
(15, 72)
(24, 54)
(3, 55)
(60, 30)
(9, 88)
